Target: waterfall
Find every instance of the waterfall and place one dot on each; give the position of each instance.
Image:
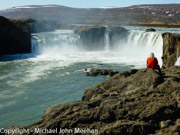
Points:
(139, 44)
(133, 49)
(34, 44)
(55, 42)
(106, 39)
(66, 38)
(137, 38)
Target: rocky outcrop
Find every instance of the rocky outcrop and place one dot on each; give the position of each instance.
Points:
(95, 72)
(92, 37)
(16, 34)
(12, 39)
(171, 49)
(150, 30)
(117, 35)
(135, 102)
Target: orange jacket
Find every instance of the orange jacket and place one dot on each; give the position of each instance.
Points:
(152, 63)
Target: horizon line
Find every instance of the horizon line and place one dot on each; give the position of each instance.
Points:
(21, 6)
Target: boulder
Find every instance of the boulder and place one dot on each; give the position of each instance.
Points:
(150, 30)
(171, 49)
(91, 37)
(13, 39)
(101, 72)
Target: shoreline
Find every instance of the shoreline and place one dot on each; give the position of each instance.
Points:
(134, 99)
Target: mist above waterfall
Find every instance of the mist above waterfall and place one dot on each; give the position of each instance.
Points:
(65, 45)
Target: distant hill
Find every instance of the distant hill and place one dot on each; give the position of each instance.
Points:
(139, 14)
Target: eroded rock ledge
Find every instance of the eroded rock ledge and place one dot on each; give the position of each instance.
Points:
(171, 49)
(13, 39)
(135, 102)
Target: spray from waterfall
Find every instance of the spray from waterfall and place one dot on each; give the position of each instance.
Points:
(134, 49)
(139, 45)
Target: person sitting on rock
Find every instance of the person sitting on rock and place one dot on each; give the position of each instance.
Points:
(152, 63)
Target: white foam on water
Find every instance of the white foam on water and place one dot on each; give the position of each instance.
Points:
(11, 95)
(2, 105)
(4, 77)
(8, 94)
(37, 71)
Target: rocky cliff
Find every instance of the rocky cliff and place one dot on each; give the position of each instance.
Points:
(15, 34)
(13, 39)
(93, 37)
(171, 49)
(135, 102)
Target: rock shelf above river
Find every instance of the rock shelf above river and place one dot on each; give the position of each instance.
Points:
(135, 102)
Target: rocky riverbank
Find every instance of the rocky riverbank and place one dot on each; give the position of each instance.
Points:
(135, 102)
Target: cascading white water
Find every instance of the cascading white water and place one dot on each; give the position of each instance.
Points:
(140, 44)
(64, 45)
(60, 41)
(34, 44)
(106, 39)
(138, 38)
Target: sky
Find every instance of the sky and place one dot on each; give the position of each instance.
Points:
(82, 3)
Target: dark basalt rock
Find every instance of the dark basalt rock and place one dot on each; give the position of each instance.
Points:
(13, 39)
(92, 37)
(16, 34)
(171, 49)
(135, 102)
(101, 72)
(150, 30)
